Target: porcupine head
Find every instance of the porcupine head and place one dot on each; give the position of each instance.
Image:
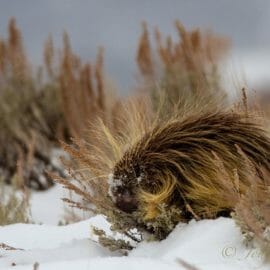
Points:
(139, 186)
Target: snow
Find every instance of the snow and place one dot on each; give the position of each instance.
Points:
(206, 244)
(50, 202)
(113, 183)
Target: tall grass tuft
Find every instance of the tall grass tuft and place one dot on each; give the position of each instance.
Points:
(182, 71)
(40, 107)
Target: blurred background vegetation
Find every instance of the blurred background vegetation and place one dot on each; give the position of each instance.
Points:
(116, 26)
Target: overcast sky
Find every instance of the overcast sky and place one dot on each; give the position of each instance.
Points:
(115, 24)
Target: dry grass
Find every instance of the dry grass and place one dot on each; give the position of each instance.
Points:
(14, 205)
(252, 211)
(95, 160)
(186, 265)
(84, 91)
(26, 120)
(62, 99)
(185, 71)
(39, 108)
(67, 94)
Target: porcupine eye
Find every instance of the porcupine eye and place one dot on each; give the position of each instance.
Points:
(137, 172)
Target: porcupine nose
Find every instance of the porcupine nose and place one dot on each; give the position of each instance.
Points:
(126, 202)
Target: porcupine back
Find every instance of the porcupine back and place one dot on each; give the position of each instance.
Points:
(174, 162)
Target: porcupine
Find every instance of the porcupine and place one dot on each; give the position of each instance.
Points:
(173, 164)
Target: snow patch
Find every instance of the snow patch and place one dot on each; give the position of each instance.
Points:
(206, 244)
(113, 184)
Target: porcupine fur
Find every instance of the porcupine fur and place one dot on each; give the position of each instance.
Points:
(173, 164)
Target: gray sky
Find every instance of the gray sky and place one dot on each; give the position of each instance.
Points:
(115, 24)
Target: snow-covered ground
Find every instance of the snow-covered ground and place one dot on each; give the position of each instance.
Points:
(47, 206)
(207, 244)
